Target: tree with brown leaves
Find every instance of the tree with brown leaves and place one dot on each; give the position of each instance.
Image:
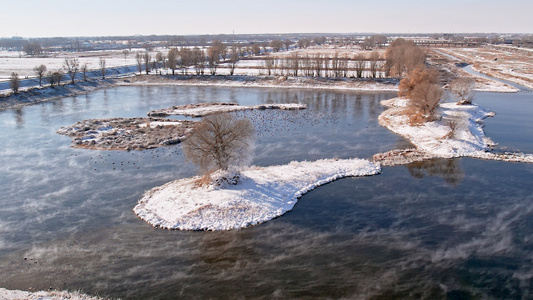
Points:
(424, 94)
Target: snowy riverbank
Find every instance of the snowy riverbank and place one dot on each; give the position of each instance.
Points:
(42, 295)
(264, 81)
(29, 96)
(263, 193)
(437, 139)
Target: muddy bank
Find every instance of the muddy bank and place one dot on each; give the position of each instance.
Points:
(126, 133)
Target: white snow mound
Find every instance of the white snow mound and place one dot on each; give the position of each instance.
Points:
(263, 193)
(432, 137)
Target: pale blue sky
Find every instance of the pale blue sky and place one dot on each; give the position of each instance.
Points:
(38, 18)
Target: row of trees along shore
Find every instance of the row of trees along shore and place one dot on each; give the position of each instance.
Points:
(398, 58)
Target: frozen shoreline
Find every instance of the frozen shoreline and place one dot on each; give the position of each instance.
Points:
(435, 140)
(263, 193)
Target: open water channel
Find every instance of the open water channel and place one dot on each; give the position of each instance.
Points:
(456, 229)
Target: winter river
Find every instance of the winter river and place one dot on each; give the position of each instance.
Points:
(454, 229)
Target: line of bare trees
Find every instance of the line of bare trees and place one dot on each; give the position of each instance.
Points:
(323, 65)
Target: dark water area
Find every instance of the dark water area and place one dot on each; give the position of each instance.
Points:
(512, 126)
(440, 229)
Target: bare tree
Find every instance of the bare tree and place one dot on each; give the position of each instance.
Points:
(234, 58)
(359, 64)
(374, 64)
(335, 65)
(139, 59)
(219, 142)
(71, 65)
(185, 59)
(276, 45)
(40, 71)
(198, 60)
(287, 44)
(125, 52)
(304, 43)
(463, 88)
(214, 52)
(84, 69)
(14, 82)
(269, 64)
(318, 63)
(160, 60)
(294, 63)
(256, 49)
(146, 58)
(102, 63)
(403, 56)
(32, 49)
(172, 57)
(343, 66)
(55, 77)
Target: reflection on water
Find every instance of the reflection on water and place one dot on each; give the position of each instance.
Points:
(448, 169)
(390, 235)
(66, 217)
(511, 127)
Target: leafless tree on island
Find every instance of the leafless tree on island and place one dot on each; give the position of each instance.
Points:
(220, 142)
(463, 88)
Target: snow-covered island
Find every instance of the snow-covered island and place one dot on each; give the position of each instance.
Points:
(465, 138)
(204, 109)
(126, 133)
(261, 194)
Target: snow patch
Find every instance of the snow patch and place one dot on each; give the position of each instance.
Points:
(263, 193)
(203, 109)
(436, 139)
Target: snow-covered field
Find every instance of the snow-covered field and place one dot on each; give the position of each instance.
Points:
(263, 193)
(499, 63)
(11, 61)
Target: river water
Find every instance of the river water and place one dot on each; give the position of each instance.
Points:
(439, 229)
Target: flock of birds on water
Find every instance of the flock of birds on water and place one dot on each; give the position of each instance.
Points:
(272, 126)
